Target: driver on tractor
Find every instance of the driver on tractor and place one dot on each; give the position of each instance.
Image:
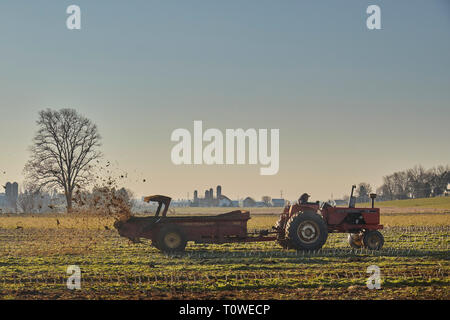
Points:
(303, 198)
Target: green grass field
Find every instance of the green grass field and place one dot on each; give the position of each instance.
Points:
(428, 203)
(35, 252)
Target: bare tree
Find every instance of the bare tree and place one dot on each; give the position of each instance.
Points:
(363, 191)
(266, 200)
(419, 182)
(27, 201)
(63, 151)
(401, 185)
(387, 190)
(440, 177)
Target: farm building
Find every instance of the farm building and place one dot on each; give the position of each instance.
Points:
(235, 203)
(3, 200)
(224, 201)
(249, 202)
(210, 201)
(261, 204)
(8, 200)
(278, 202)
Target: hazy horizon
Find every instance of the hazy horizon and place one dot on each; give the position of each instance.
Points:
(352, 104)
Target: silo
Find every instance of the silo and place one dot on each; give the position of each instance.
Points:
(211, 193)
(206, 194)
(15, 191)
(219, 192)
(8, 190)
(195, 196)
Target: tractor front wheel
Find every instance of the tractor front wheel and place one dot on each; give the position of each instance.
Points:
(171, 239)
(306, 231)
(355, 240)
(373, 240)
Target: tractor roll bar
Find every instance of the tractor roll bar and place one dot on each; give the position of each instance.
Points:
(161, 200)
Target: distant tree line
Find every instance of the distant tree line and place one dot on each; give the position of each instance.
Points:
(98, 200)
(33, 200)
(416, 182)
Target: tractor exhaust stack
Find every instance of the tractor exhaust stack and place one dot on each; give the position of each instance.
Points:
(352, 200)
(373, 196)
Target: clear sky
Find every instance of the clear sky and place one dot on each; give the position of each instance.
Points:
(351, 104)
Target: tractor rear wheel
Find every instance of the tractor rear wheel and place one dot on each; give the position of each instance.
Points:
(355, 240)
(171, 239)
(306, 231)
(373, 240)
(155, 243)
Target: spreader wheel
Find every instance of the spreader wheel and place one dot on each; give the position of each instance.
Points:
(355, 240)
(373, 240)
(306, 231)
(171, 239)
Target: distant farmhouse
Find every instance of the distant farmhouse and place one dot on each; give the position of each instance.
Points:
(11, 201)
(278, 202)
(235, 203)
(210, 201)
(447, 191)
(220, 200)
(250, 202)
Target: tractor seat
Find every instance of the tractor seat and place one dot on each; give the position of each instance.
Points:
(310, 203)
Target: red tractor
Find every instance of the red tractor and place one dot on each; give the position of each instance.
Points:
(305, 226)
(302, 226)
